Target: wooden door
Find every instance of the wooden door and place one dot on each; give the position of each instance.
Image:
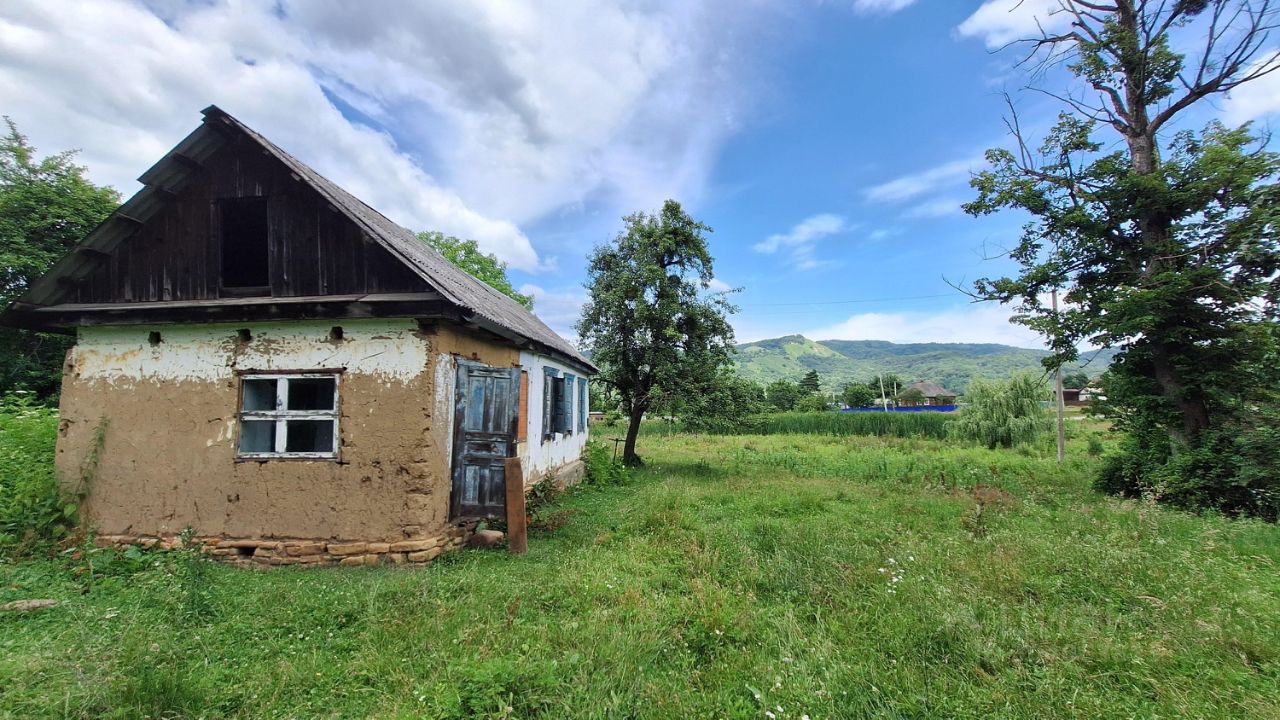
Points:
(486, 410)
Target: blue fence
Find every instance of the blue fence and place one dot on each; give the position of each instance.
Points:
(917, 408)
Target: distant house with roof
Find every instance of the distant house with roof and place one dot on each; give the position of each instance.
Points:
(926, 393)
(266, 359)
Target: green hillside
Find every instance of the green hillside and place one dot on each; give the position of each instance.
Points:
(840, 361)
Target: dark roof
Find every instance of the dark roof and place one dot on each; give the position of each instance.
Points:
(478, 301)
(931, 390)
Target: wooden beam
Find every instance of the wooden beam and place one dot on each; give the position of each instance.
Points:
(129, 218)
(517, 520)
(93, 252)
(186, 161)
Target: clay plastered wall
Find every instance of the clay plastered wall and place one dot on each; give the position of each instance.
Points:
(538, 457)
(167, 457)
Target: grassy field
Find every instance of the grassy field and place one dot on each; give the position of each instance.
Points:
(798, 575)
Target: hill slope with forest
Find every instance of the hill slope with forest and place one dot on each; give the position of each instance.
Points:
(841, 361)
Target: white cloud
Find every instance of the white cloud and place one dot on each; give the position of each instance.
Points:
(559, 310)
(1000, 22)
(881, 6)
(802, 239)
(478, 117)
(939, 207)
(1257, 98)
(977, 323)
(718, 286)
(916, 184)
(806, 232)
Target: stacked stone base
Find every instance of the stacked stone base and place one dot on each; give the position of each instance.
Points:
(270, 552)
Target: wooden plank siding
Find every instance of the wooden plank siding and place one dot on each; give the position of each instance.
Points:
(313, 249)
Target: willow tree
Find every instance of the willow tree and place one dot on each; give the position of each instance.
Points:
(650, 324)
(1162, 237)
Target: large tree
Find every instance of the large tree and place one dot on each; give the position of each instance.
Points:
(485, 267)
(1162, 240)
(46, 207)
(650, 324)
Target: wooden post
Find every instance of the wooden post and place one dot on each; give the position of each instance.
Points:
(1059, 401)
(517, 530)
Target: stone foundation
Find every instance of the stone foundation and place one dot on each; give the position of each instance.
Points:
(267, 552)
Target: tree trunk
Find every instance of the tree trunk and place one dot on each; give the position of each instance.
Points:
(629, 456)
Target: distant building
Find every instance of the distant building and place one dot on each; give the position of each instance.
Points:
(933, 394)
(1073, 397)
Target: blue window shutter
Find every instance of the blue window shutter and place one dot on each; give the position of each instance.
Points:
(548, 403)
(568, 404)
(582, 404)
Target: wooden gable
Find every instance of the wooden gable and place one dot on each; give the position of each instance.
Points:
(312, 249)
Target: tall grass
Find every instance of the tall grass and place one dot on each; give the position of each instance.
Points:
(903, 425)
(33, 511)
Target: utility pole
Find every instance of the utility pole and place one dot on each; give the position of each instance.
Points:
(1057, 391)
(884, 401)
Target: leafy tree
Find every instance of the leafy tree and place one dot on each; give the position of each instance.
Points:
(485, 267)
(810, 383)
(727, 405)
(46, 207)
(1167, 245)
(782, 395)
(910, 396)
(811, 402)
(1075, 381)
(857, 395)
(1003, 413)
(649, 324)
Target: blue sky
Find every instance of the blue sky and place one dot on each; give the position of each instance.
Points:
(828, 143)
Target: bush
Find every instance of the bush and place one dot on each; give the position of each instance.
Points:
(1003, 413)
(1232, 468)
(33, 509)
(602, 468)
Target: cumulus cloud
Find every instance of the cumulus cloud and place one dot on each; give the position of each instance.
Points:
(977, 323)
(469, 118)
(924, 182)
(801, 240)
(1000, 22)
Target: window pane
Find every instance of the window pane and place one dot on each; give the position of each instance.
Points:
(311, 393)
(309, 436)
(257, 436)
(259, 394)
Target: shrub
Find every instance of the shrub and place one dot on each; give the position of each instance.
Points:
(1003, 413)
(602, 468)
(1232, 468)
(33, 509)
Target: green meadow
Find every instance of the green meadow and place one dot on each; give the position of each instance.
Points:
(793, 575)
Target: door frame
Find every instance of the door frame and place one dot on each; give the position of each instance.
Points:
(458, 445)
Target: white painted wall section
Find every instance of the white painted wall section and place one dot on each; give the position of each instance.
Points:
(388, 349)
(537, 456)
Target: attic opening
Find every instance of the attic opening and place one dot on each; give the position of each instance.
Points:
(244, 247)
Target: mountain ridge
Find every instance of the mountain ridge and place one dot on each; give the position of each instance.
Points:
(839, 362)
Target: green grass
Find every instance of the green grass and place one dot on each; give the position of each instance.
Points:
(917, 424)
(731, 576)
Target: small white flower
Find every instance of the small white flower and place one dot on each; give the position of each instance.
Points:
(769, 715)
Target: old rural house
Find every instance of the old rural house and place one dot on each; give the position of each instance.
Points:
(932, 394)
(264, 358)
